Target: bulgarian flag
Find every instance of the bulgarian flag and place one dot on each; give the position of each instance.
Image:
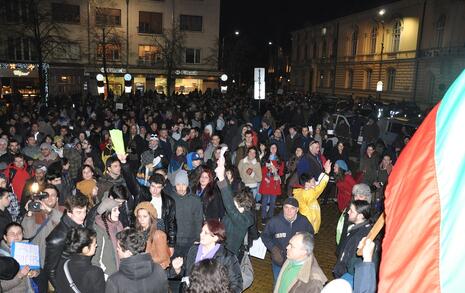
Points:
(424, 246)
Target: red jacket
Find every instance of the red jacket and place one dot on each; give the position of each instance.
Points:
(273, 187)
(19, 178)
(344, 191)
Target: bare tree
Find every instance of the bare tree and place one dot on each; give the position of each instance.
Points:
(213, 57)
(171, 46)
(108, 37)
(48, 37)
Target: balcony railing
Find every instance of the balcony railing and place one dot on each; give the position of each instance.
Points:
(144, 62)
(436, 52)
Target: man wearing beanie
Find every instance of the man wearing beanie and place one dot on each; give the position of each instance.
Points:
(190, 215)
(280, 229)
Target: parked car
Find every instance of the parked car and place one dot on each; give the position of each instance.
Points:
(393, 128)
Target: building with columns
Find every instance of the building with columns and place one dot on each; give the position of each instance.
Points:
(131, 28)
(416, 48)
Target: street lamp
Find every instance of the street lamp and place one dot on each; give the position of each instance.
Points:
(270, 43)
(236, 32)
(379, 87)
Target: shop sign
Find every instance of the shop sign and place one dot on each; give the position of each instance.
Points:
(18, 72)
(186, 72)
(113, 70)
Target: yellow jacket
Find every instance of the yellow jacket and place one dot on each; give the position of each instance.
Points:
(308, 201)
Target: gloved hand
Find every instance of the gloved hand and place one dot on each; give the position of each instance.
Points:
(276, 256)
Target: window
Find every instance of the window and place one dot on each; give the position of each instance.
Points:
(21, 49)
(350, 78)
(354, 42)
(108, 16)
(192, 56)
(150, 22)
(112, 52)
(66, 13)
(396, 29)
(391, 82)
(368, 77)
(373, 36)
(149, 55)
(440, 24)
(191, 23)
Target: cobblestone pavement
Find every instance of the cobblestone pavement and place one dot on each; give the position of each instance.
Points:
(325, 247)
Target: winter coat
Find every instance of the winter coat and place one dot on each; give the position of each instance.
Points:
(310, 278)
(271, 183)
(158, 248)
(138, 274)
(344, 191)
(235, 222)
(347, 249)
(55, 243)
(106, 256)
(168, 213)
(87, 277)
(278, 231)
(19, 177)
(31, 226)
(311, 165)
(308, 201)
(365, 277)
(369, 167)
(253, 179)
(190, 218)
(17, 284)
(5, 219)
(223, 257)
(212, 208)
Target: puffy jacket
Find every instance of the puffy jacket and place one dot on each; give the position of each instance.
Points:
(168, 213)
(271, 184)
(19, 177)
(138, 274)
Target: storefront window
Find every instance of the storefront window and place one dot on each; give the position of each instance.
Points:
(187, 85)
(160, 84)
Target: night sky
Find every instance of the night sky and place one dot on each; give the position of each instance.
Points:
(273, 20)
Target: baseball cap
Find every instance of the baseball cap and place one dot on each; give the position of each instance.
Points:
(291, 201)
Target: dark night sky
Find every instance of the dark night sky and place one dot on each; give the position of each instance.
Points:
(264, 20)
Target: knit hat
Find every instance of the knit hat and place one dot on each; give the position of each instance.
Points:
(57, 138)
(107, 204)
(45, 145)
(291, 201)
(146, 205)
(181, 178)
(86, 186)
(342, 165)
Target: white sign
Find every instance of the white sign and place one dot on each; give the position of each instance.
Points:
(100, 77)
(224, 89)
(119, 106)
(127, 77)
(113, 70)
(258, 249)
(259, 84)
(186, 72)
(224, 77)
(26, 254)
(379, 86)
(18, 72)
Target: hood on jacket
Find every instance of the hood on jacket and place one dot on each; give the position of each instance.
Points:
(137, 267)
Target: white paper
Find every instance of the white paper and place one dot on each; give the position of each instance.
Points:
(119, 106)
(258, 249)
(26, 254)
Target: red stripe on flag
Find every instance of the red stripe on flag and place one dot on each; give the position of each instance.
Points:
(410, 251)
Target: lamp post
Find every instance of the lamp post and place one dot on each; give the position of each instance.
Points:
(381, 13)
(127, 35)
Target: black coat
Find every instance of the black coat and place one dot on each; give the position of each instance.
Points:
(87, 277)
(138, 274)
(55, 243)
(168, 213)
(225, 258)
(347, 249)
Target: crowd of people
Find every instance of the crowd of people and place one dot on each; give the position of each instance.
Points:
(200, 179)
